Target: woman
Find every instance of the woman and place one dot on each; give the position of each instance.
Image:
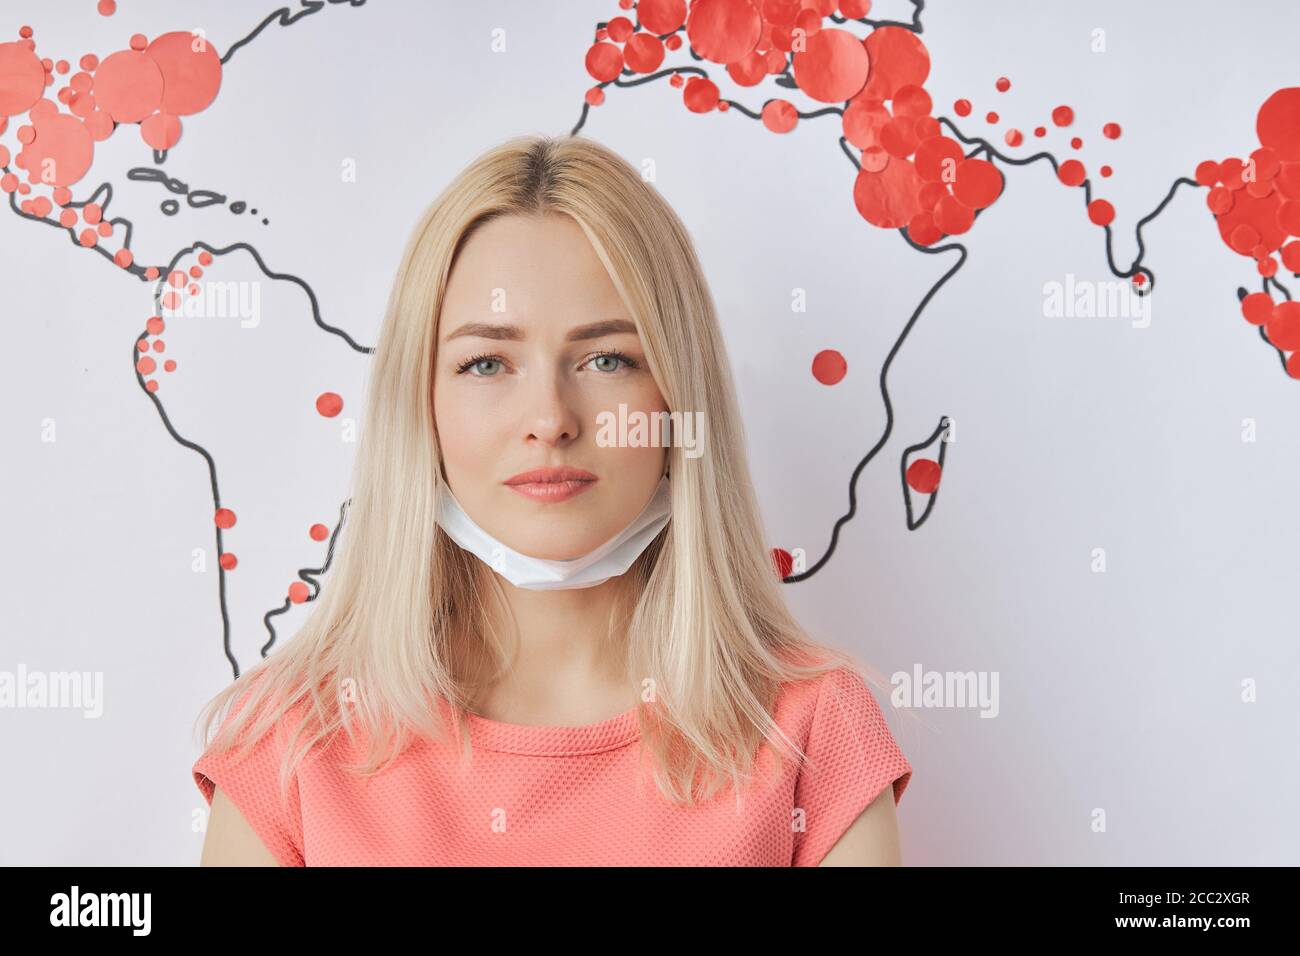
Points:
(546, 639)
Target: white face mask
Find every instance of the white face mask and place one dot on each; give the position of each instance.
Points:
(609, 560)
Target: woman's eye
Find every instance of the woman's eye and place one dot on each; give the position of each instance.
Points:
(478, 365)
(611, 361)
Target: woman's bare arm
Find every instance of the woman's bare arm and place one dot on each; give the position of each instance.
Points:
(230, 841)
(872, 840)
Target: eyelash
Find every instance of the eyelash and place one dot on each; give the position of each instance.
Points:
(613, 353)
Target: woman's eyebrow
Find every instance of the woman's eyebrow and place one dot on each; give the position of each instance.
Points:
(513, 333)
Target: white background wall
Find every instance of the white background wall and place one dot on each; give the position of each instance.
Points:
(1119, 691)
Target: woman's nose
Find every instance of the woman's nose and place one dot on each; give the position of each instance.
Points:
(551, 414)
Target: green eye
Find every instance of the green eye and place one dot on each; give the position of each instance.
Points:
(614, 357)
(476, 361)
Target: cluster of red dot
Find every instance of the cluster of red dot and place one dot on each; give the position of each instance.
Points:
(910, 175)
(1256, 203)
(151, 83)
(1071, 172)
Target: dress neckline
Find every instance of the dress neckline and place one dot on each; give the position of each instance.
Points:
(549, 741)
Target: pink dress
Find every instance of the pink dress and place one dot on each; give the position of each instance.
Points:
(569, 796)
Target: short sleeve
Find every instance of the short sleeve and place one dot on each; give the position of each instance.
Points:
(854, 757)
(252, 782)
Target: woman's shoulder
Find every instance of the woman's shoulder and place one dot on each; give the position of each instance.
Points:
(839, 686)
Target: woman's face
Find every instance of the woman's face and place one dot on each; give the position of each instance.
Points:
(534, 344)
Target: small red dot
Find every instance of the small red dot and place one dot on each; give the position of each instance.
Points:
(829, 367)
(329, 404)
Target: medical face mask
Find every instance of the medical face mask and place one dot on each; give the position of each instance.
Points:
(609, 560)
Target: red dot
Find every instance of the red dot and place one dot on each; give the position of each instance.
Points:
(1110, 130)
(1219, 200)
(1257, 308)
(225, 518)
(1106, 171)
(829, 367)
(1101, 212)
(961, 107)
(297, 592)
(1076, 142)
(319, 532)
(1040, 131)
(991, 117)
(146, 365)
(977, 183)
(923, 475)
(1063, 116)
(604, 61)
(1014, 137)
(780, 116)
(169, 366)
(1003, 84)
(1071, 172)
(228, 561)
(700, 95)
(1291, 256)
(329, 404)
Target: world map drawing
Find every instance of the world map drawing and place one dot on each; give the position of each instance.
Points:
(846, 75)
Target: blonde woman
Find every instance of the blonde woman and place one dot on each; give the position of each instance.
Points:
(547, 639)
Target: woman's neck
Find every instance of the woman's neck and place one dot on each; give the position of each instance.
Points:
(566, 653)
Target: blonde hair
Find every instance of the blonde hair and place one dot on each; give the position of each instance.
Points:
(706, 619)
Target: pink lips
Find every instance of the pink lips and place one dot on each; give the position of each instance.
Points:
(552, 484)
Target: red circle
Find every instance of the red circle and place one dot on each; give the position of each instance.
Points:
(829, 367)
(1071, 172)
(923, 476)
(1257, 308)
(329, 404)
(1101, 212)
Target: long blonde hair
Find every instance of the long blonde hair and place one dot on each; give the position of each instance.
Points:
(706, 620)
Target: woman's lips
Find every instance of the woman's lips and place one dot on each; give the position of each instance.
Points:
(551, 490)
(552, 484)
